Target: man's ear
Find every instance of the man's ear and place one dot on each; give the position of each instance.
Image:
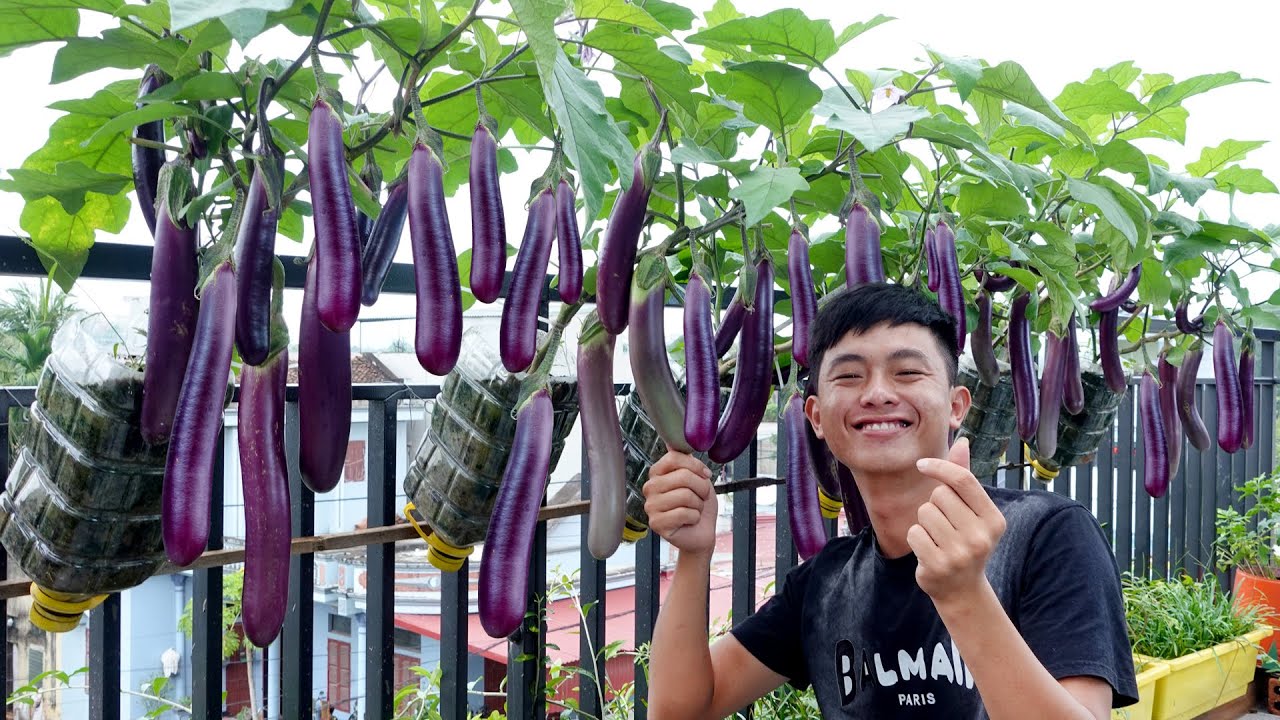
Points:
(814, 414)
(961, 401)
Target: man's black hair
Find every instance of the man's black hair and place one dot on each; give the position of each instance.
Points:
(866, 306)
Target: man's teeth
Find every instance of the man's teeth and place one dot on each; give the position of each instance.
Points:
(885, 425)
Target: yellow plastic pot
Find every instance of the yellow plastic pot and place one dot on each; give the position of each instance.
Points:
(1201, 681)
(1147, 677)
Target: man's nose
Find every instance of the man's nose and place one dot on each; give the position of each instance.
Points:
(878, 390)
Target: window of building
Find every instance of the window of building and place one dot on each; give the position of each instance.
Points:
(339, 684)
(35, 662)
(406, 639)
(353, 468)
(404, 674)
(340, 625)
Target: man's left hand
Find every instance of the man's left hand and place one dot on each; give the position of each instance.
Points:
(956, 530)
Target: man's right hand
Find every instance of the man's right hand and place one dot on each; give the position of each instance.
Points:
(681, 503)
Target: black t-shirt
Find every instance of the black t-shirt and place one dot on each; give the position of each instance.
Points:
(856, 626)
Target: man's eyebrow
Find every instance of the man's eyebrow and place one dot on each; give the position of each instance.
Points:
(909, 353)
(847, 357)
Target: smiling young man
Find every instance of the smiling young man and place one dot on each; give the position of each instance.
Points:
(959, 601)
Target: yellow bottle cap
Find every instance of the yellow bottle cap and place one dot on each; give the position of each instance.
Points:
(1042, 472)
(52, 621)
(633, 531)
(830, 506)
(444, 555)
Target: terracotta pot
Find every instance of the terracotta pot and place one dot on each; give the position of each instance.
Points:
(1261, 592)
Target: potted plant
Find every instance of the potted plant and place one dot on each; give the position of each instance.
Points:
(1208, 642)
(1248, 543)
(1148, 672)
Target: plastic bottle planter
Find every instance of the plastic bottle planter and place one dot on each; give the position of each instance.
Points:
(457, 469)
(1079, 435)
(80, 508)
(991, 419)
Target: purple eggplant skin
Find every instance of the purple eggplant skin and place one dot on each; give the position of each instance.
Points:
(1114, 299)
(384, 240)
(802, 498)
(1226, 375)
(148, 161)
(197, 422)
(659, 394)
(984, 353)
(1169, 411)
(855, 510)
(752, 379)
(504, 563)
(569, 242)
(994, 283)
(862, 260)
(602, 437)
(702, 377)
(1109, 351)
(1022, 368)
(334, 221)
(265, 476)
(950, 291)
(518, 336)
(1051, 389)
(255, 252)
(1245, 376)
(324, 394)
(1073, 385)
(438, 331)
(1184, 322)
(171, 323)
(931, 260)
(730, 325)
(488, 222)
(1192, 425)
(804, 302)
(1155, 441)
(621, 239)
(824, 463)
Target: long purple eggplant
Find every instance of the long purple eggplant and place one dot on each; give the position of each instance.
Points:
(802, 497)
(324, 394)
(569, 243)
(1169, 411)
(1113, 299)
(1192, 425)
(197, 422)
(334, 221)
(504, 563)
(752, 382)
(255, 253)
(994, 283)
(1051, 386)
(171, 322)
(147, 161)
(438, 331)
(1246, 390)
(1073, 385)
(384, 241)
(862, 260)
(855, 510)
(824, 470)
(488, 222)
(1155, 442)
(650, 368)
(984, 353)
(1183, 320)
(702, 377)
(931, 261)
(804, 303)
(602, 437)
(950, 291)
(518, 337)
(1022, 367)
(1226, 375)
(622, 238)
(1109, 351)
(730, 325)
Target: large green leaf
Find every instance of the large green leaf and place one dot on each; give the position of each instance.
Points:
(992, 201)
(672, 81)
(1245, 180)
(67, 184)
(1081, 101)
(671, 15)
(1112, 209)
(1189, 187)
(857, 28)
(145, 114)
(943, 130)
(1122, 156)
(965, 71)
(1122, 74)
(117, 48)
(765, 188)
(201, 86)
(1010, 81)
(618, 11)
(876, 130)
(591, 139)
(773, 94)
(28, 22)
(1169, 124)
(66, 143)
(62, 240)
(185, 13)
(1216, 158)
(1074, 161)
(788, 32)
(1173, 94)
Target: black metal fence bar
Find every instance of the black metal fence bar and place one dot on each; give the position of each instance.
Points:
(591, 643)
(454, 589)
(206, 604)
(1124, 484)
(526, 669)
(784, 548)
(648, 584)
(743, 602)
(104, 647)
(298, 635)
(380, 598)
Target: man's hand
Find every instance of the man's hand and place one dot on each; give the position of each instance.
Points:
(956, 530)
(681, 503)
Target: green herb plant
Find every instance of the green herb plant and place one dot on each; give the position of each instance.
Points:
(1248, 540)
(1169, 619)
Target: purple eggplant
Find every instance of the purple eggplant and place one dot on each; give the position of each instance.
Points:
(518, 337)
(488, 222)
(1245, 375)
(1192, 425)
(824, 471)
(802, 499)
(1155, 442)
(504, 563)
(994, 283)
(1022, 367)
(621, 240)
(602, 437)
(1051, 387)
(197, 422)
(1113, 299)
(950, 291)
(862, 260)
(752, 378)
(984, 353)
(324, 394)
(1073, 385)
(855, 510)
(650, 368)
(384, 241)
(334, 219)
(255, 253)
(702, 377)
(371, 176)
(569, 242)
(804, 303)
(1226, 375)
(1169, 411)
(931, 260)
(438, 332)
(730, 325)
(147, 161)
(1183, 321)
(1109, 351)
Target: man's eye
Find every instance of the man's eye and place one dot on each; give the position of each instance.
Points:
(910, 372)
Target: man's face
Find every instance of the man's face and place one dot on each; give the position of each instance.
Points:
(884, 399)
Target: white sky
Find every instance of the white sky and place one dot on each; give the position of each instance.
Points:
(1056, 45)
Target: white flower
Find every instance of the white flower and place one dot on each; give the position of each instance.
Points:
(887, 96)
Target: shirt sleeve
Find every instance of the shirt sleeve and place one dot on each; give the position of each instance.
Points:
(773, 633)
(1071, 610)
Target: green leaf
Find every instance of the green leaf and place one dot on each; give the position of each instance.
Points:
(772, 94)
(1122, 156)
(1216, 158)
(618, 11)
(29, 22)
(245, 25)
(992, 201)
(1080, 101)
(672, 81)
(290, 225)
(1191, 189)
(1152, 82)
(1102, 198)
(965, 71)
(1154, 287)
(1010, 81)
(877, 130)
(145, 114)
(671, 15)
(943, 130)
(1074, 161)
(990, 111)
(406, 33)
(856, 29)
(1184, 225)
(721, 12)
(1169, 124)
(185, 13)
(1245, 180)
(117, 48)
(592, 140)
(1026, 116)
(765, 188)
(432, 28)
(202, 86)
(1234, 233)
(1186, 248)
(788, 32)
(1122, 74)
(62, 240)
(67, 184)
(1172, 95)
